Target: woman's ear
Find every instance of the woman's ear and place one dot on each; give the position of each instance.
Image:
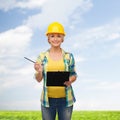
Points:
(48, 41)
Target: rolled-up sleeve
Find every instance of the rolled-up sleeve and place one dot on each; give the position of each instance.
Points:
(72, 66)
(38, 60)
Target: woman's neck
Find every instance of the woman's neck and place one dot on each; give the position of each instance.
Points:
(55, 53)
(55, 50)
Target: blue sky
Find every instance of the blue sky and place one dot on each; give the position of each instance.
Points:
(92, 35)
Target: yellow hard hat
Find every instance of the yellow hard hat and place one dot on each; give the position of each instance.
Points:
(55, 27)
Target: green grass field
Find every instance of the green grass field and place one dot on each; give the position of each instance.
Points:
(77, 115)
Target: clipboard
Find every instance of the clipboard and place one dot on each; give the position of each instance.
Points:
(57, 78)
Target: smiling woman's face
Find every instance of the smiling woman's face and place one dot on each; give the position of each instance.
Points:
(55, 39)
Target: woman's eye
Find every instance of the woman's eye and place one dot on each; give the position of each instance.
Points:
(52, 36)
(59, 36)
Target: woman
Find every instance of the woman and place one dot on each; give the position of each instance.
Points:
(56, 99)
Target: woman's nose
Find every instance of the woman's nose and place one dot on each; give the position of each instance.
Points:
(55, 38)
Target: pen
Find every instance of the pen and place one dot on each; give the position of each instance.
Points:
(29, 59)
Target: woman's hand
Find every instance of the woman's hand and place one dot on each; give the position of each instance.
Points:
(67, 83)
(38, 67)
(71, 80)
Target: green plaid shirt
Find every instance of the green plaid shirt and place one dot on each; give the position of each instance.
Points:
(69, 66)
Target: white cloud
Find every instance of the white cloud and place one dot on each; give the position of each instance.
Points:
(7, 5)
(101, 85)
(13, 44)
(39, 86)
(97, 95)
(111, 51)
(23, 4)
(30, 4)
(79, 59)
(115, 50)
(101, 34)
(114, 36)
(14, 41)
(96, 104)
(62, 11)
(32, 104)
(108, 86)
(102, 41)
(16, 76)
